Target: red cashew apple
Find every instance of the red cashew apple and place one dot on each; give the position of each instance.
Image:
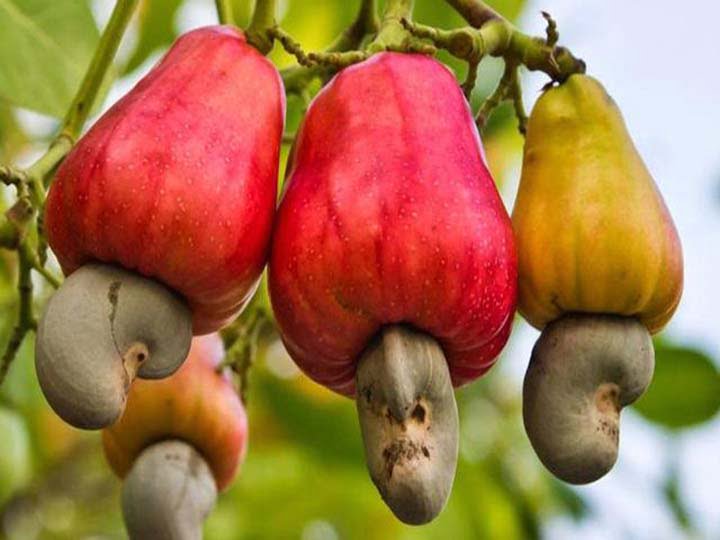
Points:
(161, 217)
(393, 271)
(180, 440)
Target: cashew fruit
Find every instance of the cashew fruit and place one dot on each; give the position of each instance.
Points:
(177, 181)
(170, 194)
(390, 216)
(600, 270)
(393, 261)
(592, 230)
(196, 405)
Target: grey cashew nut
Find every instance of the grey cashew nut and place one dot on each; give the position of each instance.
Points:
(168, 493)
(103, 327)
(409, 422)
(584, 369)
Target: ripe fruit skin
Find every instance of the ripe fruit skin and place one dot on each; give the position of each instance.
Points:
(592, 230)
(196, 405)
(178, 180)
(391, 216)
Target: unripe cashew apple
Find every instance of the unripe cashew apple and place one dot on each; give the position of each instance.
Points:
(162, 211)
(600, 269)
(196, 404)
(392, 249)
(593, 233)
(180, 441)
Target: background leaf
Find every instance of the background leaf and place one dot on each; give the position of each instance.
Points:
(685, 390)
(45, 47)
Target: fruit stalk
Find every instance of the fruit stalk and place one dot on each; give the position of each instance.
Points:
(499, 38)
(224, 11)
(391, 31)
(296, 78)
(105, 52)
(263, 20)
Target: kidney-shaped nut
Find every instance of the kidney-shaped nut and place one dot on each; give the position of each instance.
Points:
(409, 422)
(168, 494)
(103, 327)
(584, 369)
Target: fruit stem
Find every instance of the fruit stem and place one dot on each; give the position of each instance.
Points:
(392, 34)
(263, 21)
(475, 12)
(104, 54)
(297, 78)
(409, 422)
(508, 89)
(26, 318)
(500, 38)
(241, 340)
(224, 11)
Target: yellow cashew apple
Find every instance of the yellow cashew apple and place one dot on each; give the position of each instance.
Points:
(593, 233)
(600, 269)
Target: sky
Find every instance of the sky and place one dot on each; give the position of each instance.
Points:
(656, 61)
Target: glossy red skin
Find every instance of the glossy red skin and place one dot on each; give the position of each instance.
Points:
(390, 215)
(178, 180)
(195, 404)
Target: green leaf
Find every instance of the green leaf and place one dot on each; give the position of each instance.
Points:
(685, 390)
(12, 137)
(45, 47)
(157, 30)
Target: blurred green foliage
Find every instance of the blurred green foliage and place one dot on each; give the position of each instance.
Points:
(304, 476)
(45, 48)
(685, 389)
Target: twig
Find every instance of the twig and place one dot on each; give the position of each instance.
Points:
(263, 20)
(297, 78)
(241, 343)
(26, 319)
(290, 45)
(499, 95)
(476, 13)
(495, 36)
(104, 54)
